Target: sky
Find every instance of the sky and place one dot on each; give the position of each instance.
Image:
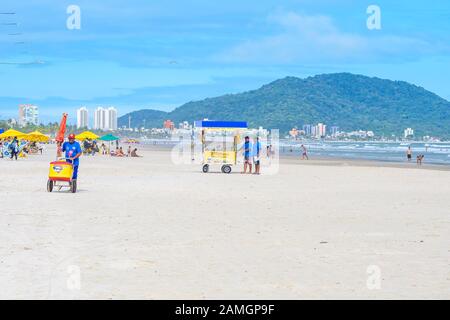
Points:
(139, 54)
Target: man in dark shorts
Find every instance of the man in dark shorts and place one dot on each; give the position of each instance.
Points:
(409, 153)
(247, 154)
(73, 153)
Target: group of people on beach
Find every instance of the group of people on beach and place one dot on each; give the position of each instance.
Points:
(15, 148)
(419, 157)
(252, 156)
(132, 153)
(91, 148)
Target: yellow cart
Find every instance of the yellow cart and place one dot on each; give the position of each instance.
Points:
(219, 143)
(60, 175)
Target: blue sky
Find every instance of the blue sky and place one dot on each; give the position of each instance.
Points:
(160, 54)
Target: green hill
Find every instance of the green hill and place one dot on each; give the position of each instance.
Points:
(349, 101)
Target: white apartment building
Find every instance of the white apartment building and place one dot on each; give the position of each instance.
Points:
(82, 118)
(105, 119)
(321, 130)
(28, 114)
(112, 119)
(409, 132)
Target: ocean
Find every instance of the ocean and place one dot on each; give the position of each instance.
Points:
(435, 153)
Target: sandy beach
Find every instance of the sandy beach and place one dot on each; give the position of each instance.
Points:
(144, 228)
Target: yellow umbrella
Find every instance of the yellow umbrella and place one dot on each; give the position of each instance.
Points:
(87, 135)
(11, 133)
(36, 136)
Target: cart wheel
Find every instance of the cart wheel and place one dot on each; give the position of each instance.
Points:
(205, 168)
(73, 186)
(49, 185)
(226, 169)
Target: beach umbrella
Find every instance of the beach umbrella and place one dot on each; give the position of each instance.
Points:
(60, 135)
(11, 133)
(36, 136)
(87, 135)
(62, 129)
(109, 137)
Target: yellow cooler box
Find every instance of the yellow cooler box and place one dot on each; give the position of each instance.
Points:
(60, 171)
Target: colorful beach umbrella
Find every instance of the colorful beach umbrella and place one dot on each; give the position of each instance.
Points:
(36, 136)
(109, 137)
(87, 135)
(11, 133)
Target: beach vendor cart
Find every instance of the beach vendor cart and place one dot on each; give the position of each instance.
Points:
(220, 141)
(60, 176)
(61, 172)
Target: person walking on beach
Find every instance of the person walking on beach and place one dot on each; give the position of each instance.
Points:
(247, 153)
(304, 153)
(257, 156)
(409, 154)
(129, 151)
(73, 152)
(14, 147)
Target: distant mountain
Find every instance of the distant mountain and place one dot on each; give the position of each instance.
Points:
(148, 117)
(349, 101)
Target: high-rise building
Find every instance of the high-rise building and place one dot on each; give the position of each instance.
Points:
(99, 118)
(112, 119)
(321, 130)
(313, 131)
(82, 118)
(307, 129)
(28, 114)
(409, 133)
(334, 131)
(105, 119)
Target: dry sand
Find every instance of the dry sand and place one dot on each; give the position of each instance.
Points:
(146, 229)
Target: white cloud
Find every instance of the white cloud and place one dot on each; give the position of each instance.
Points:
(316, 39)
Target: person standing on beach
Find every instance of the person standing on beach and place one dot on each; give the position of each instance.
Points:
(247, 153)
(409, 154)
(256, 156)
(304, 153)
(14, 147)
(73, 153)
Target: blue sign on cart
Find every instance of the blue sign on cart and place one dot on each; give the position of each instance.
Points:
(221, 124)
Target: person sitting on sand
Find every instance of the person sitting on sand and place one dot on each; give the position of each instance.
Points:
(134, 154)
(103, 148)
(118, 153)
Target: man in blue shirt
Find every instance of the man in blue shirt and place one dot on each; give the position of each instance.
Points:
(256, 155)
(247, 154)
(73, 153)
